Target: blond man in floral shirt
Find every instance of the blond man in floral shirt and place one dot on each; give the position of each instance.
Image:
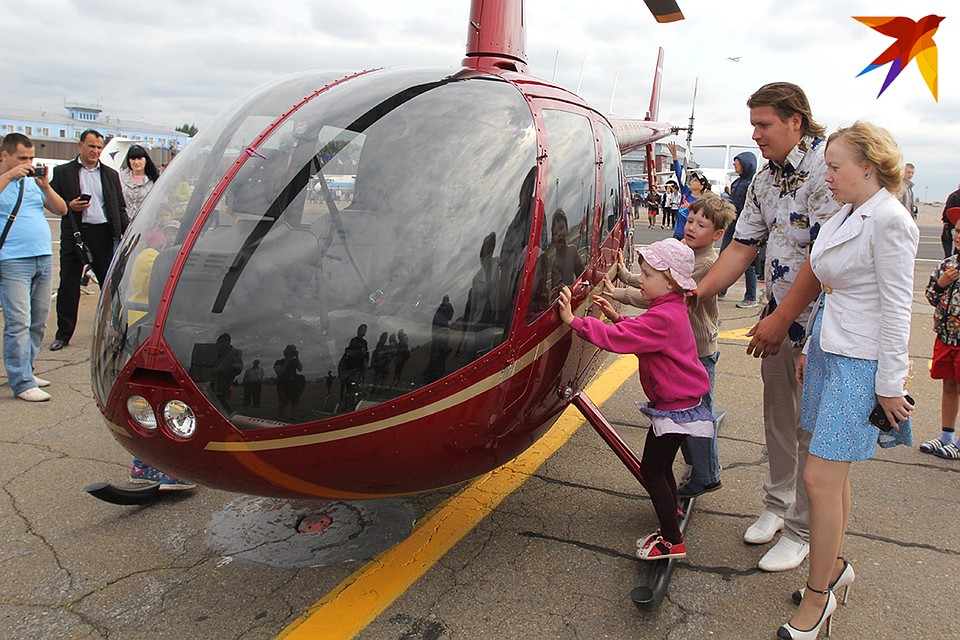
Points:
(787, 203)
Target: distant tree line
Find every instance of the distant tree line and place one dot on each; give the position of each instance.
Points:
(189, 129)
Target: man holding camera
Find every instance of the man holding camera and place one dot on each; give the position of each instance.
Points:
(26, 262)
(90, 231)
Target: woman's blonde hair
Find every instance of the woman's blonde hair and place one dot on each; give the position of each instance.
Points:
(877, 146)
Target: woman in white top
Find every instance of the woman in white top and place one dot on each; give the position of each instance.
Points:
(137, 178)
(856, 358)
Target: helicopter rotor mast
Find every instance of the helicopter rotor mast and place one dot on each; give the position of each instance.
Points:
(496, 35)
(497, 32)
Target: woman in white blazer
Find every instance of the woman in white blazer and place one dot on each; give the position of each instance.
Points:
(861, 267)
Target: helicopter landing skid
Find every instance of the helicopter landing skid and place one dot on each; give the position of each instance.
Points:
(122, 495)
(647, 597)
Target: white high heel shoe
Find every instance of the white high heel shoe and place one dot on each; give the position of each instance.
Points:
(845, 579)
(789, 632)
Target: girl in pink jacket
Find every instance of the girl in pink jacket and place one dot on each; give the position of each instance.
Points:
(671, 375)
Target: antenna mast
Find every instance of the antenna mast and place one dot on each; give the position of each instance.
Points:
(689, 128)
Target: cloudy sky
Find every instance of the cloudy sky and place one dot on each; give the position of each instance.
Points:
(183, 61)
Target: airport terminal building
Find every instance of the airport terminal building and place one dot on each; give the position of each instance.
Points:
(56, 134)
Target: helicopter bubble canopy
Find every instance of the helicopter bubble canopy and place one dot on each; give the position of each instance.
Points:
(305, 258)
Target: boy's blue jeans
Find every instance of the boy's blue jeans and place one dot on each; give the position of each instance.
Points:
(703, 453)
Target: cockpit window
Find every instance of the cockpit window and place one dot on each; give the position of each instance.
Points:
(123, 323)
(370, 245)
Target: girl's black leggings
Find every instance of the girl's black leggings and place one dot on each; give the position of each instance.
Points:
(656, 465)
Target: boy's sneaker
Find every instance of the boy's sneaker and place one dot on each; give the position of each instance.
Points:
(932, 446)
(144, 474)
(746, 304)
(660, 549)
(691, 489)
(169, 483)
(949, 451)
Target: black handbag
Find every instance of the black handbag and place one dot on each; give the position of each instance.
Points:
(12, 216)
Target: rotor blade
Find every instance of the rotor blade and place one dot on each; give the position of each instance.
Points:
(664, 10)
(654, 110)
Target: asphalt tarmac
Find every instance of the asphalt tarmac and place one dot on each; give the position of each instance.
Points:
(542, 548)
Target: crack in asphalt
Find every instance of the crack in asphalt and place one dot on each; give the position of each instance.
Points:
(587, 546)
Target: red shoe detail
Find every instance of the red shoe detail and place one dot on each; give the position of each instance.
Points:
(661, 549)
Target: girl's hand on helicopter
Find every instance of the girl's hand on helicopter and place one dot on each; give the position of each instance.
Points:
(566, 310)
(608, 288)
(606, 307)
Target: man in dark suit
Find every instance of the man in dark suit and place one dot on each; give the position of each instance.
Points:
(101, 218)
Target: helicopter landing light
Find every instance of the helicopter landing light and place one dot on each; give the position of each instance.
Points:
(180, 419)
(142, 413)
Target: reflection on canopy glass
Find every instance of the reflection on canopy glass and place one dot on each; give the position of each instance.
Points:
(370, 244)
(567, 233)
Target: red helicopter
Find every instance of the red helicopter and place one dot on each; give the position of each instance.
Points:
(388, 246)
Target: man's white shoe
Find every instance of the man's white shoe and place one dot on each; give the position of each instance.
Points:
(784, 555)
(34, 394)
(41, 382)
(763, 530)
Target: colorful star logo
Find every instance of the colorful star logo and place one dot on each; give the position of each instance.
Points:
(914, 40)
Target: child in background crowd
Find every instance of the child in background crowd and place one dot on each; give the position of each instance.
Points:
(943, 293)
(672, 377)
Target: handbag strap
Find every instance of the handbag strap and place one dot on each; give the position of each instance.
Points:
(76, 230)
(12, 217)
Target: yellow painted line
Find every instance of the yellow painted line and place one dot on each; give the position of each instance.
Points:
(735, 334)
(358, 600)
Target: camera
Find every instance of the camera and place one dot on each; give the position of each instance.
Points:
(38, 172)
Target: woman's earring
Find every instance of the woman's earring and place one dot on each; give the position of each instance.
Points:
(867, 175)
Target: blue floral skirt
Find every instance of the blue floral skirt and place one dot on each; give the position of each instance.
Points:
(838, 395)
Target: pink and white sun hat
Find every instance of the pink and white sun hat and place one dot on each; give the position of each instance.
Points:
(672, 255)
